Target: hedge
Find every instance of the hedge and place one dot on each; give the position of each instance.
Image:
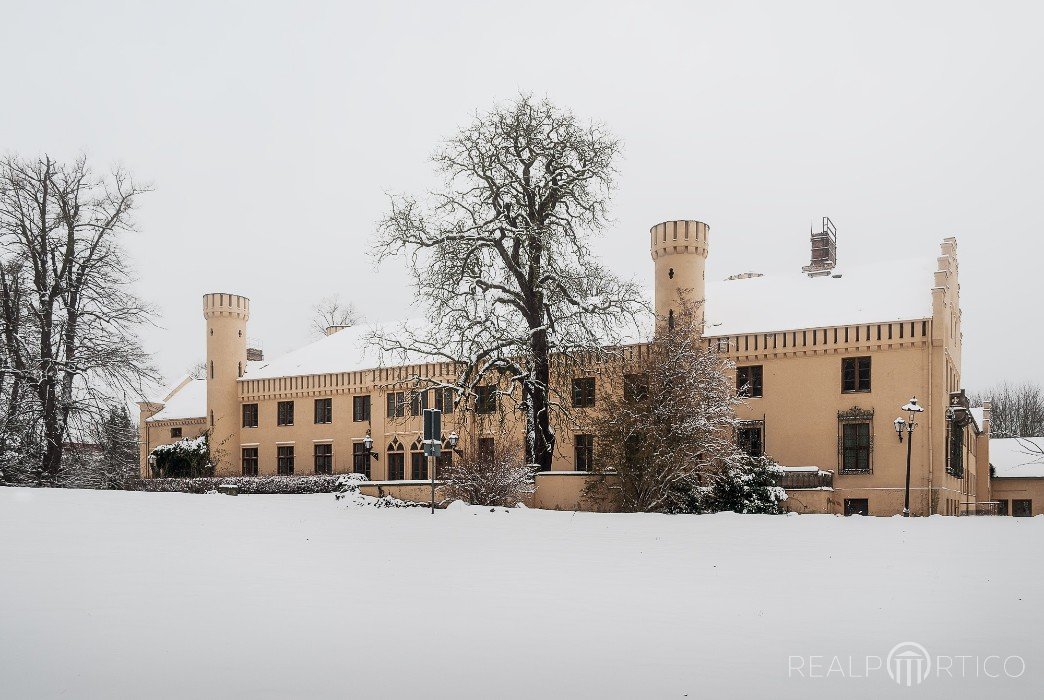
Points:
(320, 483)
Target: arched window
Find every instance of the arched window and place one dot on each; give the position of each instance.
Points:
(418, 462)
(396, 461)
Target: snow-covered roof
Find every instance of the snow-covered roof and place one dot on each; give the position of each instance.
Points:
(344, 351)
(190, 401)
(1015, 457)
(896, 290)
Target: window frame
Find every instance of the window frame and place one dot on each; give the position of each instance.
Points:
(254, 459)
(584, 392)
(847, 419)
(418, 402)
(323, 409)
(852, 369)
(361, 408)
(850, 507)
(176, 433)
(583, 452)
(748, 427)
(285, 460)
(285, 410)
(322, 457)
(361, 459)
(486, 399)
(250, 415)
(1018, 505)
(442, 393)
(396, 404)
(750, 381)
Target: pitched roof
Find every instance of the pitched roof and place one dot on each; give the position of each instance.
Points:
(190, 401)
(898, 290)
(1015, 457)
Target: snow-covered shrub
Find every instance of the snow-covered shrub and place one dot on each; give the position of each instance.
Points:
(347, 489)
(741, 484)
(318, 483)
(496, 476)
(189, 457)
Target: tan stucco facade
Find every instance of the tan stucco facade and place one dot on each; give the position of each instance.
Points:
(800, 411)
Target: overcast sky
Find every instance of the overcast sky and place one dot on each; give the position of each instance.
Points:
(272, 131)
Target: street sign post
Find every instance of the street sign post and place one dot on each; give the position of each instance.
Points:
(431, 438)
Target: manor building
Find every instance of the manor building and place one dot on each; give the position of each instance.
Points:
(825, 359)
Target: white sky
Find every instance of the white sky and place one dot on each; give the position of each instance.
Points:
(271, 133)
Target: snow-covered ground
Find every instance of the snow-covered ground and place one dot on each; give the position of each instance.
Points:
(106, 594)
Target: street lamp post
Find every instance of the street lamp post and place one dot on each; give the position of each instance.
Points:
(912, 409)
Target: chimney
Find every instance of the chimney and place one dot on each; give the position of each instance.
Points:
(824, 250)
(330, 330)
(255, 354)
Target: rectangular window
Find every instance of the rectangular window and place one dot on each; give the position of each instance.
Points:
(485, 399)
(396, 464)
(857, 506)
(750, 439)
(584, 445)
(444, 399)
(584, 392)
(285, 413)
(323, 458)
(635, 387)
(855, 374)
(1002, 506)
(749, 381)
(418, 402)
(285, 460)
(486, 449)
(1022, 508)
(175, 432)
(855, 448)
(361, 458)
(249, 461)
(955, 455)
(250, 415)
(324, 410)
(361, 408)
(396, 404)
(418, 466)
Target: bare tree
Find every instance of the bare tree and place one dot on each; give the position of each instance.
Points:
(69, 318)
(501, 258)
(332, 311)
(668, 423)
(488, 472)
(1017, 410)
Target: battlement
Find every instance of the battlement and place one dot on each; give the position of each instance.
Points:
(218, 304)
(678, 237)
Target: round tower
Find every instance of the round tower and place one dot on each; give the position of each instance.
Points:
(679, 250)
(227, 316)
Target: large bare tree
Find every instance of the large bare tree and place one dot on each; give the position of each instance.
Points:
(333, 311)
(501, 257)
(1017, 409)
(68, 316)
